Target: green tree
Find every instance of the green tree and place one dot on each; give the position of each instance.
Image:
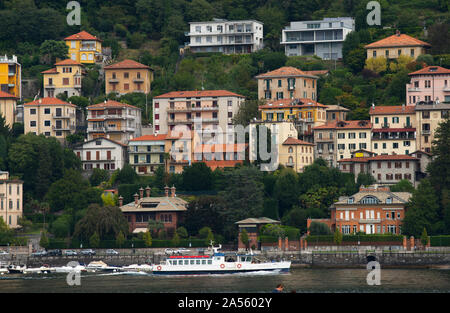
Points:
(244, 238)
(286, 190)
(424, 237)
(176, 240)
(182, 232)
(198, 176)
(94, 240)
(403, 186)
(147, 239)
(98, 176)
(52, 49)
(44, 242)
(120, 239)
(337, 237)
(317, 228)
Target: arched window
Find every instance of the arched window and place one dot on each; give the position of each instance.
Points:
(83, 57)
(291, 160)
(369, 200)
(291, 150)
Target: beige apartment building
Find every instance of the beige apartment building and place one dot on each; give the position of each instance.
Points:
(128, 76)
(7, 107)
(287, 83)
(11, 200)
(114, 120)
(337, 140)
(202, 111)
(394, 129)
(296, 154)
(50, 117)
(399, 44)
(65, 79)
(428, 117)
(147, 153)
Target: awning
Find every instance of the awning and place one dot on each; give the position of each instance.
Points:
(140, 230)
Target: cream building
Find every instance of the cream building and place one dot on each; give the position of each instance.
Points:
(7, 107)
(428, 117)
(50, 117)
(394, 129)
(65, 79)
(11, 200)
(296, 154)
(399, 44)
(287, 83)
(147, 153)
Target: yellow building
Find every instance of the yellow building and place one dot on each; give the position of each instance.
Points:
(11, 200)
(287, 83)
(394, 46)
(11, 76)
(296, 154)
(51, 117)
(7, 107)
(65, 78)
(84, 48)
(128, 76)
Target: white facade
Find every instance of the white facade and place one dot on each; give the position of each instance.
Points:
(229, 37)
(101, 153)
(322, 38)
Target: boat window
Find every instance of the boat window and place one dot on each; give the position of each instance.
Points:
(203, 261)
(197, 261)
(209, 261)
(170, 262)
(192, 262)
(175, 262)
(186, 262)
(249, 259)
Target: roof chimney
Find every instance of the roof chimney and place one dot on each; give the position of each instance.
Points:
(397, 32)
(120, 201)
(147, 191)
(172, 191)
(166, 191)
(141, 193)
(136, 198)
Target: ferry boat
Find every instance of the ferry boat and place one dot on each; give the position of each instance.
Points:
(217, 263)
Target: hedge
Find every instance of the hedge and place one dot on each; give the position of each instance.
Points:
(440, 241)
(356, 238)
(136, 243)
(268, 239)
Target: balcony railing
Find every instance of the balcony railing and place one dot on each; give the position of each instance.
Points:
(426, 132)
(64, 128)
(63, 116)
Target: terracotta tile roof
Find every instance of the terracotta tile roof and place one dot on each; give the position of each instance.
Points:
(50, 71)
(431, 70)
(83, 35)
(99, 138)
(199, 93)
(394, 109)
(294, 141)
(4, 95)
(318, 72)
(286, 71)
(68, 62)
(397, 40)
(110, 104)
(127, 64)
(150, 138)
(291, 103)
(395, 157)
(48, 101)
(358, 124)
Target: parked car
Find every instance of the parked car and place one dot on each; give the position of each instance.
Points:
(181, 251)
(88, 252)
(39, 253)
(70, 253)
(111, 252)
(56, 252)
(3, 252)
(169, 251)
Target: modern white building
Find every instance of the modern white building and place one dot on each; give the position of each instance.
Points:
(102, 153)
(321, 38)
(229, 37)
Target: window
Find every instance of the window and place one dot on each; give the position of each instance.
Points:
(32, 123)
(362, 135)
(126, 75)
(369, 200)
(65, 81)
(47, 123)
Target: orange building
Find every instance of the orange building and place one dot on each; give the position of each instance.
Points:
(128, 76)
(373, 210)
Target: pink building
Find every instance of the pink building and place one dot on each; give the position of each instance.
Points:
(432, 83)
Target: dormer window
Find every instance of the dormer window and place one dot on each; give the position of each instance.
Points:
(350, 200)
(369, 200)
(389, 200)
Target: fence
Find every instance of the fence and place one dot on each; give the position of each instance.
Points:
(128, 244)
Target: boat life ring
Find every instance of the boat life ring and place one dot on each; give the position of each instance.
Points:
(222, 265)
(159, 267)
(239, 265)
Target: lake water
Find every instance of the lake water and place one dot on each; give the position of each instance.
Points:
(302, 280)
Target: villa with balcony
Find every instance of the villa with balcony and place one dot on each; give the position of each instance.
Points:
(373, 210)
(228, 37)
(120, 122)
(65, 78)
(128, 76)
(431, 83)
(323, 38)
(84, 48)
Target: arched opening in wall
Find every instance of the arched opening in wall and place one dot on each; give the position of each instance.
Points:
(371, 258)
